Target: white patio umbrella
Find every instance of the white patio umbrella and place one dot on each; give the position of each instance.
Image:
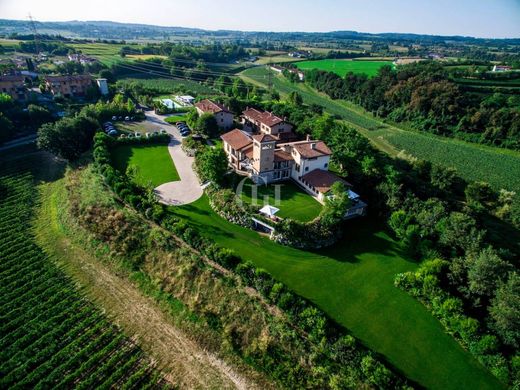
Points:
(269, 210)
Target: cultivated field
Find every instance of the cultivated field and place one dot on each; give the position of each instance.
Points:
(51, 335)
(342, 67)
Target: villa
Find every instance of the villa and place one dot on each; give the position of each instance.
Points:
(265, 156)
(223, 116)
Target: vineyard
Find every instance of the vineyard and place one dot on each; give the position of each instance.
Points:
(50, 335)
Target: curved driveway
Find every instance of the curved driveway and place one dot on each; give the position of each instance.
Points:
(187, 189)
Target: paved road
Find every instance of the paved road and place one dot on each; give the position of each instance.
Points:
(188, 189)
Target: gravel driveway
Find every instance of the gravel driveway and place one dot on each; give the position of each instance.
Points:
(187, 189)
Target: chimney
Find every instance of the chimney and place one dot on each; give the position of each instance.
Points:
(308, 138)
(313, 146)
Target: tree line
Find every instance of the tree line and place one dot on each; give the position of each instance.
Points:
(423, 95)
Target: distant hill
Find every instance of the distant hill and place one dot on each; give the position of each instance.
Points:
(134, 31)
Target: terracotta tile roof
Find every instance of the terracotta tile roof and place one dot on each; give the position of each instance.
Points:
(322, 180)
(69, 78)
(237, 139)
(263, 138)
(280, 155)
(307, 150)
(207, 105)
(265, 117)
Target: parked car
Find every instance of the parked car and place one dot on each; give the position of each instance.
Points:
(180, 123)
(137, 134)
(130, 135)
(148, 134)
(122, 136)
(162, 131)
(114, 118)
(127, 118)
(112, 132)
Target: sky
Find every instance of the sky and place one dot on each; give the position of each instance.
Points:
(478, 18)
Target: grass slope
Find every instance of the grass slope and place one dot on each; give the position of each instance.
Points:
(497, 166)
(353, 283)
(154, 163)
(293, 202)
(342, 67)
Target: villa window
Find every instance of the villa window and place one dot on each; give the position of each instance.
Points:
(325, 165)
(306, 169)
(297, 167)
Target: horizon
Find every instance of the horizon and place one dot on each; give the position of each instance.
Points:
(498, 20)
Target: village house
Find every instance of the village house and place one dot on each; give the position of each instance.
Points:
(81, 58)
(255, 121)
(501, 68)
(13, 85)
(223, 116)
(68, 86)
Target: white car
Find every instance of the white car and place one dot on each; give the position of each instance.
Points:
(114, 118)
(137, 134)
(127, 118)
(162, 131)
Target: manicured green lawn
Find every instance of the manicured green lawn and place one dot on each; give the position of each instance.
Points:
(292, 201)
(154, 163)
(342, 67)
(353, 283)
(175, 118)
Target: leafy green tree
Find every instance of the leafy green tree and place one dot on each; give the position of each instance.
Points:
(398, 222)
(505, 310)
(239, 88)
(191, 118)
(130, 106)
(295, 98)
(68, 138)
(442, 177)
(207, 125)
(107, 74)
(211, 164)
(486, 270)
(458, 232)
(479, 192)
(275, 95)
(336, 205)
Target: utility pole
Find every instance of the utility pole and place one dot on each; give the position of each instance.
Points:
(35, 34)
